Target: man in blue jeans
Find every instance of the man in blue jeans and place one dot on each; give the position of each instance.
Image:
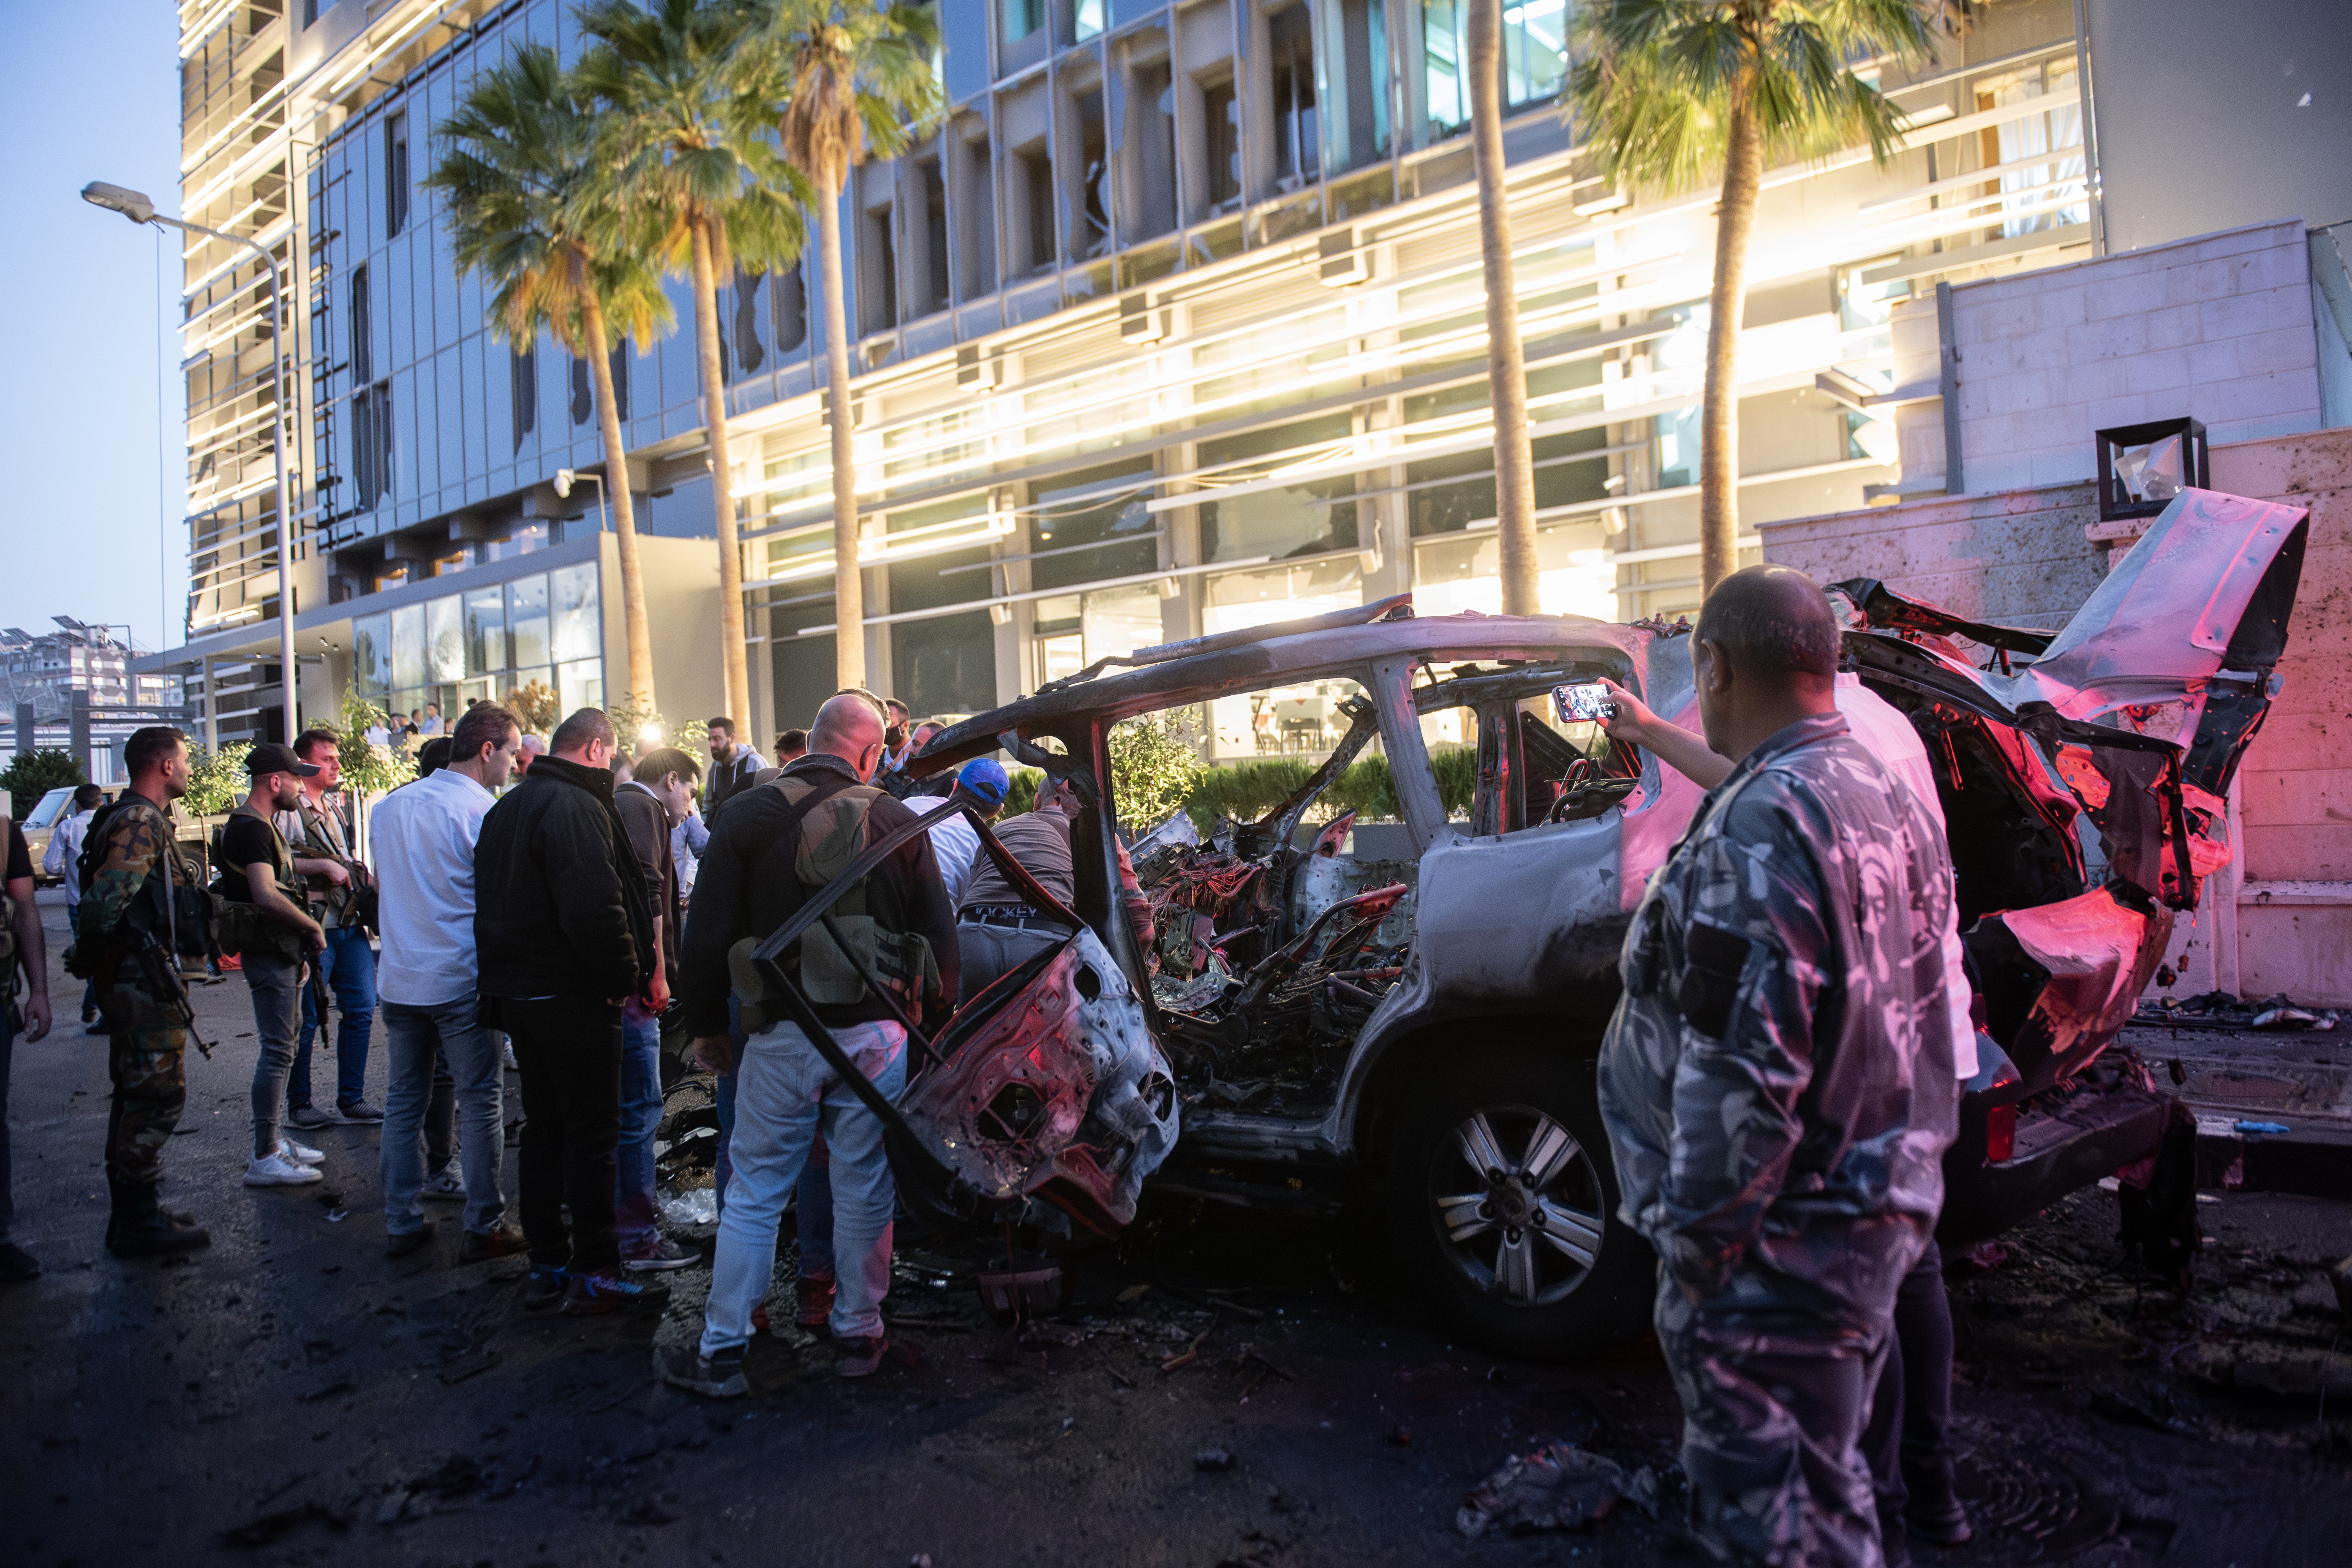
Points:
(423, 836)
(651, 805)
(332, 879)
(278, 941)
(777, 845)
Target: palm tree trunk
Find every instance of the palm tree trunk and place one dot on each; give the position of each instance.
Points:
(1506, 375)
(722, 483)
(848, 582)
(634, 620)
(1718, 465)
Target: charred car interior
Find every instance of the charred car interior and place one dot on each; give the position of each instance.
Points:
(1415, 1023)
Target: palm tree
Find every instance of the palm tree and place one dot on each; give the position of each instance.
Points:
(857, 77)
(518, 175)
(1506, 368)
(1676, 92)
(687, 151)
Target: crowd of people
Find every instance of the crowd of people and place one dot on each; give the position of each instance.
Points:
(1778, 1083)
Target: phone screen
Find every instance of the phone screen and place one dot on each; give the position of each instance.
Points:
(1581, 702)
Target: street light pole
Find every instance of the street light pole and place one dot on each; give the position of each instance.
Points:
(139, 210)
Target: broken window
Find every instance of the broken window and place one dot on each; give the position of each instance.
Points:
(1310, 518)
(1092, 235)
(522, 386)
(584, 404)
(1222, 126)
(749, 354)
(878, 273)
(788, 307)
(396, 173)
(363, 366)
(1358, 113)
(1297, 144)
(1445, 56)
(1535, 52)
(1036, 176)
(1148, 192)
(935, 237)
(372, 444)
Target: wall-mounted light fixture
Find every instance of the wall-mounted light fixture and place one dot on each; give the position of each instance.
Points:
(2142, 467)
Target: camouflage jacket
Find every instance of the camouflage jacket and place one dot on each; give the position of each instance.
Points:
(1778, 1082)
(127, 868)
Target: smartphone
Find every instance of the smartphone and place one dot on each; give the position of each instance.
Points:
(1582, 702)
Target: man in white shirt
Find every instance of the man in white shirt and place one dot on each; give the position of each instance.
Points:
(64, 859)
(423, 837)
(432, 725)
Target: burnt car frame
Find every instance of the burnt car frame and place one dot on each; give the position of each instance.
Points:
(2082, 774)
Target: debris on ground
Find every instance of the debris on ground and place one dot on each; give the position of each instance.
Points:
(2225, 1010)
(1559, 1486)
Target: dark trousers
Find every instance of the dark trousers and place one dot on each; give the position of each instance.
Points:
(1910, 1454)
(568, 1051)
(7, 1043)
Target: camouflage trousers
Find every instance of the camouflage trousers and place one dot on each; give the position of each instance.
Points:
(1771, 1421)
(151, 1086)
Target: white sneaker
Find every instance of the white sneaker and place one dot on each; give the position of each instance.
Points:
(299, 1153)
(277, 1171)
(447, 1186)
(511, 1065)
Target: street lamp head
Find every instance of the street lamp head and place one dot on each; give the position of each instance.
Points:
(130, 203)
(563, 479)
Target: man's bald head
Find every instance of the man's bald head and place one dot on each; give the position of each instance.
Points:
(1765, 655)
(848, 727)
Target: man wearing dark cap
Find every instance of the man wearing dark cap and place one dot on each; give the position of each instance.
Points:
(276, 939)
(1778, 1082)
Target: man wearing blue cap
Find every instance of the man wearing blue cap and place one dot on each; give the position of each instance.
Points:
(954, 841)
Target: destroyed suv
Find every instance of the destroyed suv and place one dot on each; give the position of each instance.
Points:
(1420, 1007)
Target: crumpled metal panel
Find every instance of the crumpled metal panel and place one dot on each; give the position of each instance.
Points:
(1062, 1096)
(2156, 627)
(2098, 955)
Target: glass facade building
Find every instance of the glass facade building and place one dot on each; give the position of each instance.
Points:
(1173, 325)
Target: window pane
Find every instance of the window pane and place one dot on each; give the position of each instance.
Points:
(1120, 620)
(526, 620)
(580, 684)
(371, 654)
(408, 647)
(1299, 719)
(1304, 519)
(444, 641)
(579, 632)
(486, 630)
(946, 664)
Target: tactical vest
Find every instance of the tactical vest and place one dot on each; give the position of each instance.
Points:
(828, 837)
(169, 904)
(246, 926)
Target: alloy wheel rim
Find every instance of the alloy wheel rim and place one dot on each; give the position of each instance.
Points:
(1518, 1203)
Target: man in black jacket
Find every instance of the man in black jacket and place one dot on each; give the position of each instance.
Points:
(563, 933)
(777, 846)
(733, 766)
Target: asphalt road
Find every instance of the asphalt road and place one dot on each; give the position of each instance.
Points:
(291, 1396)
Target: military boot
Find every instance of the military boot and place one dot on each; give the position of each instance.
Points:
(140, 1228)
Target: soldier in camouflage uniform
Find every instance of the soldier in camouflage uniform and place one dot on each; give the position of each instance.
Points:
(1778, 1083)
(130, 887)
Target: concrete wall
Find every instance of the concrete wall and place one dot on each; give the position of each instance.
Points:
(2218, 327)
(2031, 556)
(2211, 114)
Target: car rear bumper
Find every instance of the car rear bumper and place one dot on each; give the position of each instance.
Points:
(2092, 1133)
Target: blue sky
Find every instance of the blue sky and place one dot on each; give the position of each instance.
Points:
(89, 92)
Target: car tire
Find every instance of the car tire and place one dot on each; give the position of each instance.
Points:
(1539, 1302)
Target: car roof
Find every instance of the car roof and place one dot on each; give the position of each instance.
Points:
(1277, 658)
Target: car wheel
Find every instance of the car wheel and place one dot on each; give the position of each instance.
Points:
(1502, 1200)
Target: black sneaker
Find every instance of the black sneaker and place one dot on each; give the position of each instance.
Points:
(401, 1243)
(359, 1113)
(859, 1358)
(543, 1290)
(156, 1235)
(719, 1376)
(609, 1290)
(16, 1263)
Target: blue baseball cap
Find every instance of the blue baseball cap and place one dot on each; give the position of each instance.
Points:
(983, 779)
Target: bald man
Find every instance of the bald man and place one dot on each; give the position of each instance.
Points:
(778, 846)
(1778, 1082)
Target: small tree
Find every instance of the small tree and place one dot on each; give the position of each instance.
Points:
(216, 780)
(538, 708)
(1154, 765)
(1677, 92)
(34, 773)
